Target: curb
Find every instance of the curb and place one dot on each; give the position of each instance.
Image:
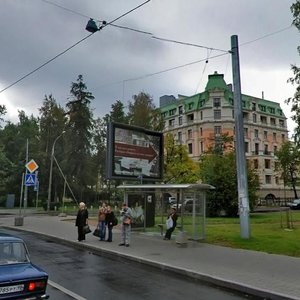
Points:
(208, 279)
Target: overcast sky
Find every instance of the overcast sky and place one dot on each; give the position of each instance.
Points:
(35, 31)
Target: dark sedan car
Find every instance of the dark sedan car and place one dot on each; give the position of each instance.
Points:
(295, 204)
(19, 278)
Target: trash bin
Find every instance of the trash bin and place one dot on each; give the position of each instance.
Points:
(19, 221)
(181, 238)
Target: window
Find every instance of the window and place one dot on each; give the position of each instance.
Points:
(201, 115)
(253, 106)
(201, 131)
(282, 137)
(190, 148)
(217, 114)
(266, 150)
(217, 102)
(254, 118)
(191, 105)
(281, 123)
(190, 117)
(268, 179)
(274, 136)
(190, 134)
(201, 147)
(172, 122)
(256, 149)
(255, 163)
(275, 149)
(277, 180)
(273, 121)
(246, 147)
(180, 137)
(217, 130)
(180, 121)
(256, 133)
(180, 110)
(265, 135)
(246, 132)
(172, 112)
(263, 120)
(267, 164)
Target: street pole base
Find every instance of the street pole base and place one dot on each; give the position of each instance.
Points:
(19, 221)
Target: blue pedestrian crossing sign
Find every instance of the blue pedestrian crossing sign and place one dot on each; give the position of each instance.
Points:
(30, 179)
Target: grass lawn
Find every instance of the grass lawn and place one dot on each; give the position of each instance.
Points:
(270, 232)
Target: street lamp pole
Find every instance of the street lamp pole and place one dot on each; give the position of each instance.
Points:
(51, 170)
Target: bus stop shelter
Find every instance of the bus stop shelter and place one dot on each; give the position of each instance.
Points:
(145, 199)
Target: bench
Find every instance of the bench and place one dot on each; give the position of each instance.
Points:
(161, 226)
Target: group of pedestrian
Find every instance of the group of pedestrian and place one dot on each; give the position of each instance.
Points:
(106, 219)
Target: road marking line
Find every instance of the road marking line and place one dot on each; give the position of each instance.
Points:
(66, 291)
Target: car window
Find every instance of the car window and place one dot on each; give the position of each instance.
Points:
(13, 252)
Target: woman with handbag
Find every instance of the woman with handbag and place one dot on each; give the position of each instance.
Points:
(81, 221)
(171, 224)
(126, 218)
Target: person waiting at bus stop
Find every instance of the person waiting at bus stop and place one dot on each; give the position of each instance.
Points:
(171, 223)
(126, 220)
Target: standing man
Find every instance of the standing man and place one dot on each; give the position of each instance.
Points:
(126, 219)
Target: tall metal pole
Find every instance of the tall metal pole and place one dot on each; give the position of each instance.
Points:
(26, 187)
(51, 170)
(243, 197)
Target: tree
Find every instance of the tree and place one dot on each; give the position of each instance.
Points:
(143, 113)
(117, 113)
(79, 135)
(295, 100)
(220, 172)
(2, 112)
(288, 160)
(52, 123)
(14, 140)
(179, 167)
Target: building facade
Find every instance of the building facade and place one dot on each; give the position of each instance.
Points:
(202, 120)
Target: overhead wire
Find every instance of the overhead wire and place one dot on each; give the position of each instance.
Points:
(69, 48)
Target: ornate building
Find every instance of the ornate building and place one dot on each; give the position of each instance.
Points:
(202, 120)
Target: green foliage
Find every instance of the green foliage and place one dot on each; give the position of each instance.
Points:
(295, 100)
(220, 172)
(143, 113)
(2, 112)
(78, 136)
(179, 167)
(288, 160)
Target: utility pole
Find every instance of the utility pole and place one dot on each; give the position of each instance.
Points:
(26, 187)
(242, 179)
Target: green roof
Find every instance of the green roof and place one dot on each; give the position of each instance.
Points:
(216, 81)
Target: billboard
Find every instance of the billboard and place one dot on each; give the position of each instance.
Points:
(134, 153)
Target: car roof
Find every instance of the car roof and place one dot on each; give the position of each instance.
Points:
(4, 237)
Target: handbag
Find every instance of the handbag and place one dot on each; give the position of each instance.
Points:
(127, 221)
(86, 229)
(169, 223)
(115, 221)
(96, 232)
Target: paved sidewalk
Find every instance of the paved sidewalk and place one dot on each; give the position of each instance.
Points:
(266, 275)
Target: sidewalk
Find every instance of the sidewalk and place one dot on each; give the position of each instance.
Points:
(257, 273)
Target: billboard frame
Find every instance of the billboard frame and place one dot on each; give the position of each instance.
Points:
(154, 147)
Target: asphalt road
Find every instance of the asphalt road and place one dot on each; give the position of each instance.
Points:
(79, 274)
